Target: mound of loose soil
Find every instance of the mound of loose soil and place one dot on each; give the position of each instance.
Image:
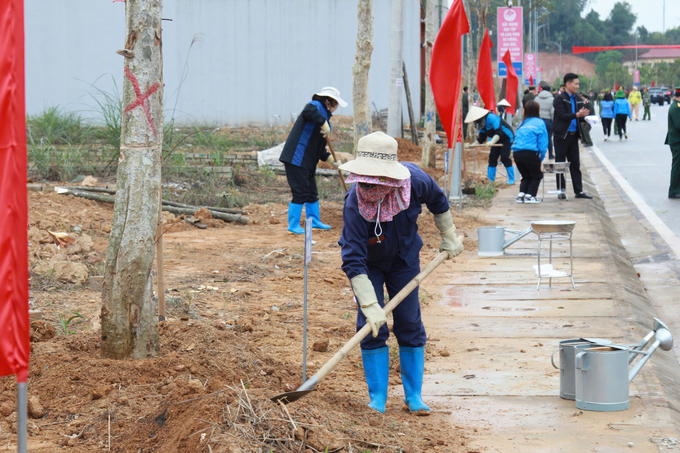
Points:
(210, 386)
(408, 151)
(232, 339)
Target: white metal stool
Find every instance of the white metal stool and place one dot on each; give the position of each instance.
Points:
(558, 168)
(553, 230)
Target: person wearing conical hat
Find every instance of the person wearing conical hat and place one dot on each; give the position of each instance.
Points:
(381, 249)
(502, 105)
(304, 148)
(495, 130)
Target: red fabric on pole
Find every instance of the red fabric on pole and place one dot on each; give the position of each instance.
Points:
(485, 74)
(578, 49)
(446, 67)
(616, 86)
(511, 84)
(531, 80)
(652, 84)
(14, 323)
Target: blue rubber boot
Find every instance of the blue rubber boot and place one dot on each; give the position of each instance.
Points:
(377, 372)
(491, 173)
(294, 214)
(412, 364)
(511, 174)
(312, 211)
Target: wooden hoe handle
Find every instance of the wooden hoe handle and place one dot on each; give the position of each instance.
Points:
(361, 334)
(342, 178)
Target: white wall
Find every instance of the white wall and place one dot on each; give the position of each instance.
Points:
(251, 59)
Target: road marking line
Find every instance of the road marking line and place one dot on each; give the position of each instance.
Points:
(666, 233)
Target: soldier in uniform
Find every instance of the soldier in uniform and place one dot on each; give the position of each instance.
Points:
(673, 140)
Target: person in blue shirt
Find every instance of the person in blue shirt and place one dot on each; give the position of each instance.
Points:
(496, 130)
(305, 146)
(529, 148)
(621, 113)
(607, 115)
(381, 249)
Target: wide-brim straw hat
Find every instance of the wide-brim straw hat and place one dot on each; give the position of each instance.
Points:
(475, 113)
(503, 103)
(377, 156)
(332, 93)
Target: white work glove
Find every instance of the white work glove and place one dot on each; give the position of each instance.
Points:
(325, 129)
(365, 295)
(331, 159)
(494, 140)
(450, 242)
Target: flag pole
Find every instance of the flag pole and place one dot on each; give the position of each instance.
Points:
(22, 416)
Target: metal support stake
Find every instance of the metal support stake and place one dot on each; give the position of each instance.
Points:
(308, 258)
(22, 416)
(446, 171)
(456, 172)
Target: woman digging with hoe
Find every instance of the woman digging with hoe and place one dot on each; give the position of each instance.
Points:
(380, 248)
(304, 148)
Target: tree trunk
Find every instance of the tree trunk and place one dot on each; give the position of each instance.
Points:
(429, 140)
(128, 313)
(394, 114)
(363, 124)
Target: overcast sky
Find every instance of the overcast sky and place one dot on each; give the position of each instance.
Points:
(649, 12)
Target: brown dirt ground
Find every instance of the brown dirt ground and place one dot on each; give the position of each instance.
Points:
(234, 296)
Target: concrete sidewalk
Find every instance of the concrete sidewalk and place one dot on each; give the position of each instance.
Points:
(498, 381)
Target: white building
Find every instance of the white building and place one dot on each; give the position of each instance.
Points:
(250, 59)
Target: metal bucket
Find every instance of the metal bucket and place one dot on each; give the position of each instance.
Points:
(602, 378)
(567, 363)
(490, 240)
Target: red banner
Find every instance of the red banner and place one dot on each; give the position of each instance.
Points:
(577, 49)
(511, 85)
(446, 67)
(14, 323)
(485, 74)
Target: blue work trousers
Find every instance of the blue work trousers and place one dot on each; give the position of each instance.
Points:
(408, 326)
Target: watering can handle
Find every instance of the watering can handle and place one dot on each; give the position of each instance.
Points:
(552, 358)
(579, 361)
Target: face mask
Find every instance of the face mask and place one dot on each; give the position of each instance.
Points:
(372, 193)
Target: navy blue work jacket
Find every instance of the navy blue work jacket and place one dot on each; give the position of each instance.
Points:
(401, 234)
(305, 145)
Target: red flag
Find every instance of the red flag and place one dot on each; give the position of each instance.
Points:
(616, 86)
(445, 67)
(14, 339)
(652, 84)
(485, 74)
(531, 80)
(511, 84)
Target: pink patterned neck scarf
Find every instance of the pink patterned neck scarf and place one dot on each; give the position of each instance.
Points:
(387, 198)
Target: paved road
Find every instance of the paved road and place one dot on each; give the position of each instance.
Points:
(645, 162)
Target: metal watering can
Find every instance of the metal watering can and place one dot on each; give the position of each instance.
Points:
(567, 366)
(568, 351)
(602, 376)
(491, 239)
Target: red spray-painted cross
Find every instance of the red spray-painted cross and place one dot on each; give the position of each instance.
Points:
(141, 98)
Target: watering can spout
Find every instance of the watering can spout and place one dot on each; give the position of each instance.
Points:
(517, 237)
(664, 340)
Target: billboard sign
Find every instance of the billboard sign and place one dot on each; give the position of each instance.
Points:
(510, 37)
(530, 68)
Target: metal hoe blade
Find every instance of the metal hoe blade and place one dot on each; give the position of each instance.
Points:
(290, 397)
